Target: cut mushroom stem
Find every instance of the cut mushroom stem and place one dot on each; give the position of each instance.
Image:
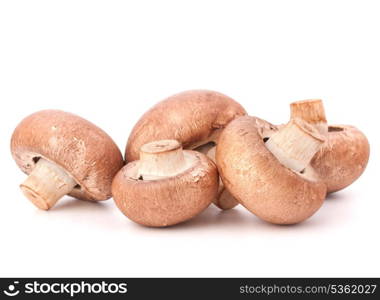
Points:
(160, 159)
(46, 184)
(312, 112)
(295, 144)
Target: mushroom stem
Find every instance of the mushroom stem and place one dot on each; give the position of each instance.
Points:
(295, 144)
(312, 112)
(224, 199)
(161, 159)
(46, 184)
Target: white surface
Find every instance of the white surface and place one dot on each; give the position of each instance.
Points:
(109, 61)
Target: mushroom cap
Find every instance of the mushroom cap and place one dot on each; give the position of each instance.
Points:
(192, 117)
(82, 149)
(170, 200)
(343, 157)
(259, 181)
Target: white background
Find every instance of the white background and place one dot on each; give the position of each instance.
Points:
(109, 61)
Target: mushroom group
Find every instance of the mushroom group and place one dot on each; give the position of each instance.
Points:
(190, 150)
(194, 118)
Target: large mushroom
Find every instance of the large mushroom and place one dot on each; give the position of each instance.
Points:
(194, 118)
(166, 186)
(64, 154)
(268, 171)
(344, 156)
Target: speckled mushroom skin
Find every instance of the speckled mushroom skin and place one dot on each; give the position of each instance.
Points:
(192, 117)
(257, 179)
(343, 158)
(85, 151)
(166, 202)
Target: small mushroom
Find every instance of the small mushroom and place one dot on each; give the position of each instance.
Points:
(194, 118)
(166, 186)
(344, 156)
(64, 154)
(271, 176)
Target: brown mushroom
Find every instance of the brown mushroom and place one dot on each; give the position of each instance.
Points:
(279, 186)
(64, 154)
(194, 118)
(166, 186)
(344, 156)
